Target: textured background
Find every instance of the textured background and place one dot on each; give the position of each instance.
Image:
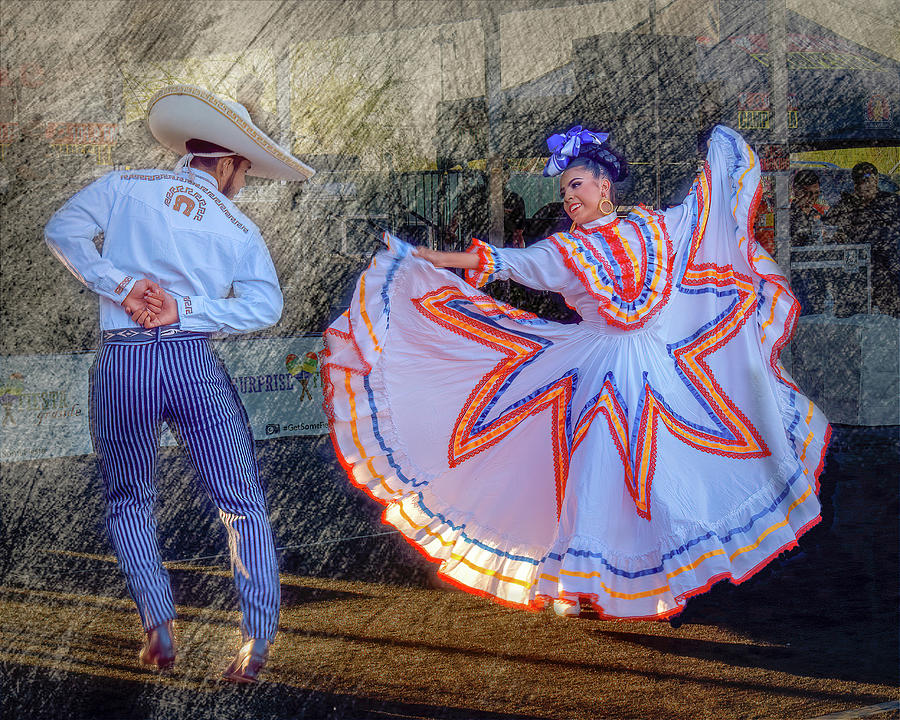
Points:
(359, 89)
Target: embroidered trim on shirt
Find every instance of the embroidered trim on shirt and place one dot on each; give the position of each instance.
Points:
(185, 201)
(121, 286)
(187, 306)
(209, 193)
(629, 290)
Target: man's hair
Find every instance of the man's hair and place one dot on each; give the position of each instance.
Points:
(860, 170)
(195, 145)
(806, 178)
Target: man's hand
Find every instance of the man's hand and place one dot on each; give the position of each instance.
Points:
(161, 309)
(135, 301)
(149, 305)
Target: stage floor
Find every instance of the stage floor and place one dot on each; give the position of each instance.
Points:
(370, 633)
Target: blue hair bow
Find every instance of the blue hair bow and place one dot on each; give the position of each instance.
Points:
(566, 147)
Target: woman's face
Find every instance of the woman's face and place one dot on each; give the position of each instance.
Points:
(581, 194)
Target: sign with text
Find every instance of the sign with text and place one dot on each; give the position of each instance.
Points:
(44, 402)
(82, 138)
(774, 158)
(44, 399)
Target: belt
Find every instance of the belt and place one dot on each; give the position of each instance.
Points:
(160, 334)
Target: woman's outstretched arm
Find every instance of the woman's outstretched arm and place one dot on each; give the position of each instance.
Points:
(461, 260)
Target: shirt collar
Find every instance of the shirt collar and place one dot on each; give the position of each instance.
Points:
(202, 175)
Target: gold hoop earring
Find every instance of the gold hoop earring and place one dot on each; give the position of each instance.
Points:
(606, 207)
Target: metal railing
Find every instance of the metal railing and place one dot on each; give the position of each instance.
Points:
(849, 259)
(429, 199)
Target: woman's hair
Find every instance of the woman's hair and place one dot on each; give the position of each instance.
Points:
(601, 163)
(806, 178)
(595, 168)
(861, 170)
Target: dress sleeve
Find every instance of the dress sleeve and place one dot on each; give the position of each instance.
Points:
(726, 192)
(538, 266)
(257, 301)
(70, 236)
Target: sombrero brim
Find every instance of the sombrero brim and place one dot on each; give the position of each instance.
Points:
(179, 113)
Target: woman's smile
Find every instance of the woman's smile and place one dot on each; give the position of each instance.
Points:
(581, 194)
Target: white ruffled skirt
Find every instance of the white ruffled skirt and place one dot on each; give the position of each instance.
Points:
(540, 462)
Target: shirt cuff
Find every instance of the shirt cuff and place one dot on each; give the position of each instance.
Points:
(490, 264)
(120, 291)
(188, 306)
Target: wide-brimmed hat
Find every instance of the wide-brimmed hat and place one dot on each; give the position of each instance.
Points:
(179, 113)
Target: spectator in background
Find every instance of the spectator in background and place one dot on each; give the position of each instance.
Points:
(869, 215)
(814, 288)
(513, 216)
(806, 209)
(806, 212)
(764, 223)
(550, 218)
(471, 217)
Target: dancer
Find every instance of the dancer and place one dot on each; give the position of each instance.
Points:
(629, 461)
(175, 247)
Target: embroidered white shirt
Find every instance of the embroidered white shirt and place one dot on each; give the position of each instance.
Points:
(180, 233)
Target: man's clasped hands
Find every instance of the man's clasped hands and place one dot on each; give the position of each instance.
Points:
(149, 305)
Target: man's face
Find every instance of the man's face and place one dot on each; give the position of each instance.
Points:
(867, 186)
(806, 196)
(231, 175)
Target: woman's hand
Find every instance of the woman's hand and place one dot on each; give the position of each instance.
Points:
(464, 261)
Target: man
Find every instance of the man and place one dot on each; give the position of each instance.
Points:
(473, 212)
(179, 261)
(811, 287)
(806, 209)
(869, 215)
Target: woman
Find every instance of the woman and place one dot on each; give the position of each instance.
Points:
(629, 461)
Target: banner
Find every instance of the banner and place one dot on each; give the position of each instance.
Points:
(44, 401)
(44, 398)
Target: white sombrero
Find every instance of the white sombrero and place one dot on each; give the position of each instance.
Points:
(179, 113)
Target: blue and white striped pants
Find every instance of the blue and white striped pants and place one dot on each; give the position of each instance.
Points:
(139, 379)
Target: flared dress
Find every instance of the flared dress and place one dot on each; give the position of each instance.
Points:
(631, 460)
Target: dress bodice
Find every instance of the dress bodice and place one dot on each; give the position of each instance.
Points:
(615, 271)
